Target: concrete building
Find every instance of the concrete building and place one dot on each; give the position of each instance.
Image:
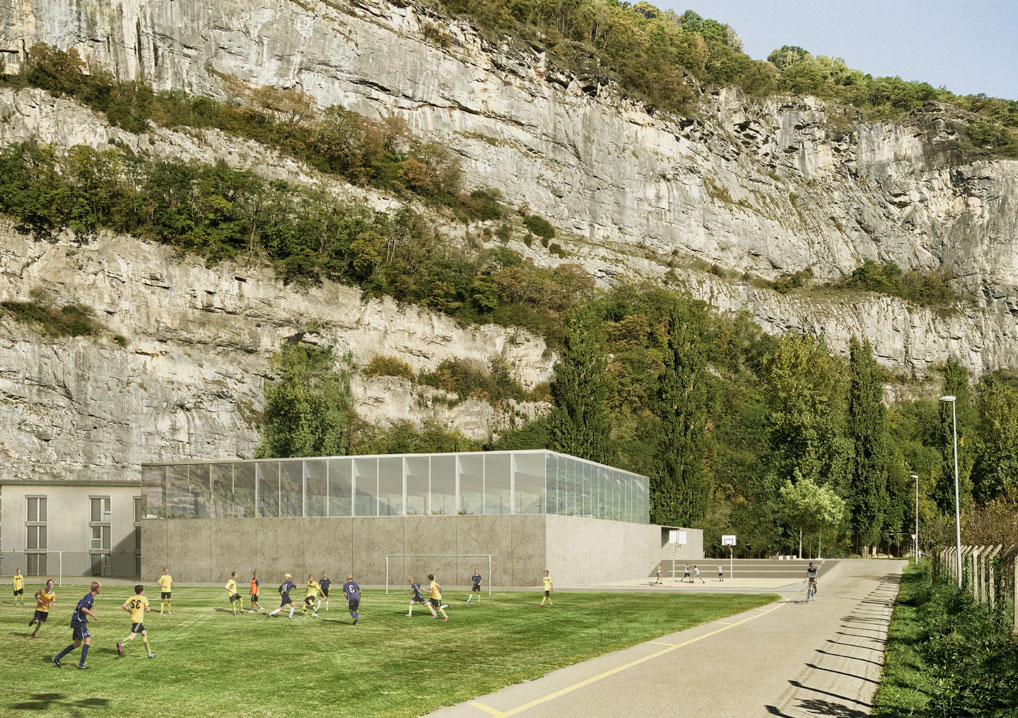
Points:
(528, 510)
(70, 529)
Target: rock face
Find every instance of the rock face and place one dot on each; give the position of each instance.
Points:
(189, 383)
(769, 188)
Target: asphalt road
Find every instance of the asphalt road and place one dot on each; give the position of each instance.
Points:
(791, 658)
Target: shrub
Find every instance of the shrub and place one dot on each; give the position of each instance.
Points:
(927, 288)
(470, 379)
(390, 366)
(71, 320)
(540, 226)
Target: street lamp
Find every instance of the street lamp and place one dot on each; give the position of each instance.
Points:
(957, 499)
(915, 536)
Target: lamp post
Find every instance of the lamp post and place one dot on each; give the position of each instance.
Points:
(957, 499)
(915, 540)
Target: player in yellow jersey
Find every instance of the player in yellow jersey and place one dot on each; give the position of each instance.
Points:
(44, 598)
(311, 596)
(19, 587)
(436, 597)
(137, 607)
(166, 587)
(546, 585)
(231, 591)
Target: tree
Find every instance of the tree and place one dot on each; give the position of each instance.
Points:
(309, 408)
(580, 424)
(996, 467)
(681, 492)
(956, 383)
(808, 507)
(867, 429)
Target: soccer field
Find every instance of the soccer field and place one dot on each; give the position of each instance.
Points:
(211, 663)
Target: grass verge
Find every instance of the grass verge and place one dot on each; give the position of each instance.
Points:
(946, 655)
(211, 663)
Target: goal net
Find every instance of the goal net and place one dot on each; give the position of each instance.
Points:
(451, 570)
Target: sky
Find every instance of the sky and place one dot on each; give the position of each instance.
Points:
(968, 47)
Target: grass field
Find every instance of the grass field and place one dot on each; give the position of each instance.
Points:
(211, 663)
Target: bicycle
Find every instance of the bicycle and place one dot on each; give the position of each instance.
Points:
(811, 591)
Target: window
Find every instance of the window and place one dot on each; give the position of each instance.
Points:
(36, 539)
(99, 535)
(100, 509)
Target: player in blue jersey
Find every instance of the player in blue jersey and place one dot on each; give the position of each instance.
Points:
(284, 596)
(353, 597)
(323, 589)
(475, 586)
(417, 597)
(79, 626)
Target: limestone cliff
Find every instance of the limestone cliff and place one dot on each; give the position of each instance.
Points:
(768, 188)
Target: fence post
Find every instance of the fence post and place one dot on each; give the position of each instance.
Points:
(976, 565)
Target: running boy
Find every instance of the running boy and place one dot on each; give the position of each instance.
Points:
(284, 596)
(696, 573)
(231, 591)
(323, 588)
(44, 598)
(353, 597)
(19, 587)
(137, 607)
(546, 585)
(79, 626)
(436, 598)
(255, 584)
(312, 594)
(658, 572)
(166, 592)
(417, 597)
(475, 586)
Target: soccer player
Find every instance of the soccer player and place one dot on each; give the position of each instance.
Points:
(166, 587)
(19, 587)
(79, 626)
(436, 598)
(475, 586)
(546, 585)
(310, 596)
(255, 584)
(353, 597)
(417, 597)
(323, 588)
(231, 590)
(284, 595)
(44, 598)
(137, 607)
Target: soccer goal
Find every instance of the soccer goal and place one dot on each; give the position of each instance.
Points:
(450, 569)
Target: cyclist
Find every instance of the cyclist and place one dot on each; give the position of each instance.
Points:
(811, 577)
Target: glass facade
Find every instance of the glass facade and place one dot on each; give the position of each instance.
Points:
(495, 482)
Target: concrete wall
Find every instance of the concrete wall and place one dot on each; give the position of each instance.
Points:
(68, 512)
(577, 551)
(692, 550)
(207, 550)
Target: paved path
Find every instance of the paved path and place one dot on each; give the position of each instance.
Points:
(788, 659)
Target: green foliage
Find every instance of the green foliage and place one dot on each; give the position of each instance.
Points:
(539, 226)
(652, 53)
(405, 438)
(927, 288)
(220, 213)
(947, 655)
(957, 384)
(70, 320)
(810, 508)
(390, 366)
(681, 493)
(380, 153)
(580, 423)
(470, 379)
(309, 407)
(868, 432)
(995, 472)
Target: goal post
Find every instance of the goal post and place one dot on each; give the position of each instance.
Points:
(399, 565)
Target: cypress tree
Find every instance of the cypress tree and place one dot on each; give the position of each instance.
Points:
(867, 428)
(956, 383)
(581, 424)
(681, 491)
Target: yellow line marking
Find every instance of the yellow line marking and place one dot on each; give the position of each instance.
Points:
(487, 709)
(619, 669)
